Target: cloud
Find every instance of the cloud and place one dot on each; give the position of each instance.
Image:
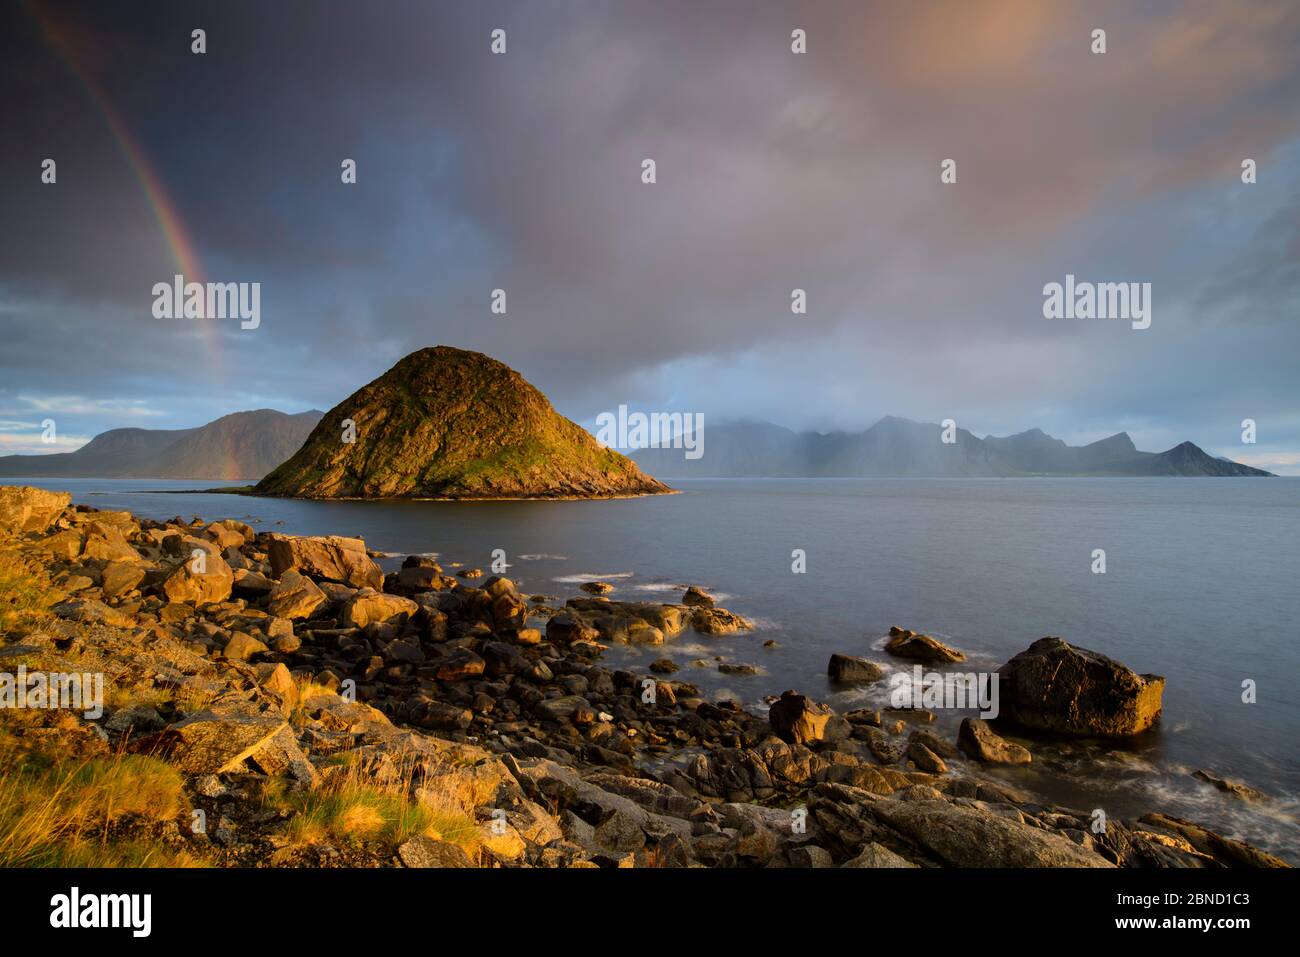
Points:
(775, 171)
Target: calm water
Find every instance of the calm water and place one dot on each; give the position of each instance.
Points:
(1201, 587)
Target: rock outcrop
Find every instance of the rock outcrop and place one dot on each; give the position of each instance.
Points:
(27, 509)
(1054, 686)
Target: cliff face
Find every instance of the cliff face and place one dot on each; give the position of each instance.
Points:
(446, 423)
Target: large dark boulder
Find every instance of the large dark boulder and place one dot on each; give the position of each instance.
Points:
(852, 670)
(1054, 686)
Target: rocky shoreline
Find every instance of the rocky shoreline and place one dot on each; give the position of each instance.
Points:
(269, 671)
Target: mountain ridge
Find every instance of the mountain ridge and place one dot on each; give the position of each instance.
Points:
(240, 446)
(896, 447)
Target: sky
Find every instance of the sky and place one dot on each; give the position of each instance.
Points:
(774, 171)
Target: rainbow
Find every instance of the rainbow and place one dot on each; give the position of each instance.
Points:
(179, 242)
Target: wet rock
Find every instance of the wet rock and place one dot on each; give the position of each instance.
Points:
(925, 759)
(664, 666)
(971, 837)
(597, 588)
(1235, 788)
(1054, 686)
(916, 647)
(977, 740)
(697, 596)
(850, 670)
(737, 669)
(1225, 851)
(718, 621)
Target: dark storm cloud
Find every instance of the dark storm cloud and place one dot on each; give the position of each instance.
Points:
(775, 171)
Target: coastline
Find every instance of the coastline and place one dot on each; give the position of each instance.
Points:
(449, 670)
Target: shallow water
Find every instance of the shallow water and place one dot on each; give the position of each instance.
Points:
(1201, 587)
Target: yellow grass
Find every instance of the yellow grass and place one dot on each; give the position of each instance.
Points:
(25, 595)
(59, 814)
(353, 804)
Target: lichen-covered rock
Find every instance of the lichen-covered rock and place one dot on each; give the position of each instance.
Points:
(24, 508)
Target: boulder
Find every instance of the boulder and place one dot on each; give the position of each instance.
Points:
(922, 648)
(424, 851)
(797, 719)
(107, 542)
(708, 620)
(368, 606)
(925, 759)
(242, 646)
(294, 596)
(851, 670)
(120, 577)
(224, 535)
(1053, 686)
(331, 556)
(697, 596)
(210, 742)
(27, 509)
(1235, 788)
(965, 836)
(977, 740)
(251, 584)
(199, 581)
(877, 855)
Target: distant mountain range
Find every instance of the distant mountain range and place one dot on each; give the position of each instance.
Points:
(895, 447)
(241, 446)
